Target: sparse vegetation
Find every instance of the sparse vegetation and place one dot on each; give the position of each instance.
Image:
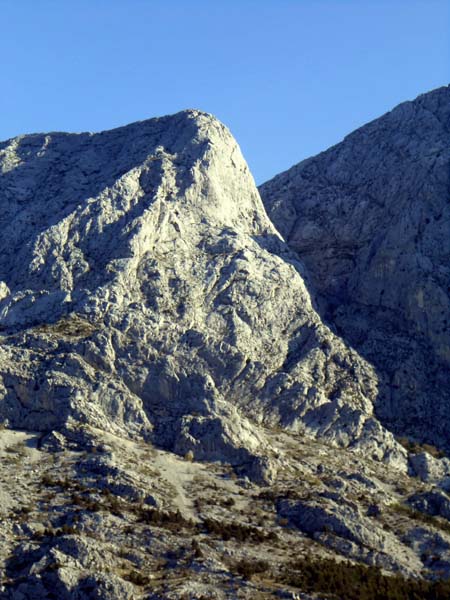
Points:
(422, 517)
(238, 531)
(248, 568)
(196, 549)
(339, 580)
(68, 326)
(50, 532)
(416, 447)
(227, 502)
(22, 514)
(172, 520)
(136, 577)
(86, 503)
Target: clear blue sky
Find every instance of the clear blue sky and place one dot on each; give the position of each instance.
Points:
(289, 78)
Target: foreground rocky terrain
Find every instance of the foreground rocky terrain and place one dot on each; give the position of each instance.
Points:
(179, 418)
(87, 514)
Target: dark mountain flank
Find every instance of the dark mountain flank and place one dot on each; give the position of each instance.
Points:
(370, 219)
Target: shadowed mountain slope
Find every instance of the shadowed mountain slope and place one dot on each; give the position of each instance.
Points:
(370, 219)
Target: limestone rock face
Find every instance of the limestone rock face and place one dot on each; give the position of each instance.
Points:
(339, 525)
(370, 219)
(144, 291)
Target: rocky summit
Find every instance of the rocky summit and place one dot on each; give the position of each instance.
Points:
(198, 403)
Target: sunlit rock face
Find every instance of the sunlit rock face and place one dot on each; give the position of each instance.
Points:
(145, 291)
(370, 219)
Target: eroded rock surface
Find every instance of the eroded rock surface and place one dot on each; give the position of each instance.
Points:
(146, 291)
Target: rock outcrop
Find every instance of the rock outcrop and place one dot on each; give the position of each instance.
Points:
(145, 291)
(370, 219)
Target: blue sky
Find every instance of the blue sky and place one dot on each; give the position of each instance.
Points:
(290, 78)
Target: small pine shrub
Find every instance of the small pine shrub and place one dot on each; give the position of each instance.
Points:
(137, 578)
(247, 568)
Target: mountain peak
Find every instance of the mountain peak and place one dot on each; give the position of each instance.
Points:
(153, 238)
